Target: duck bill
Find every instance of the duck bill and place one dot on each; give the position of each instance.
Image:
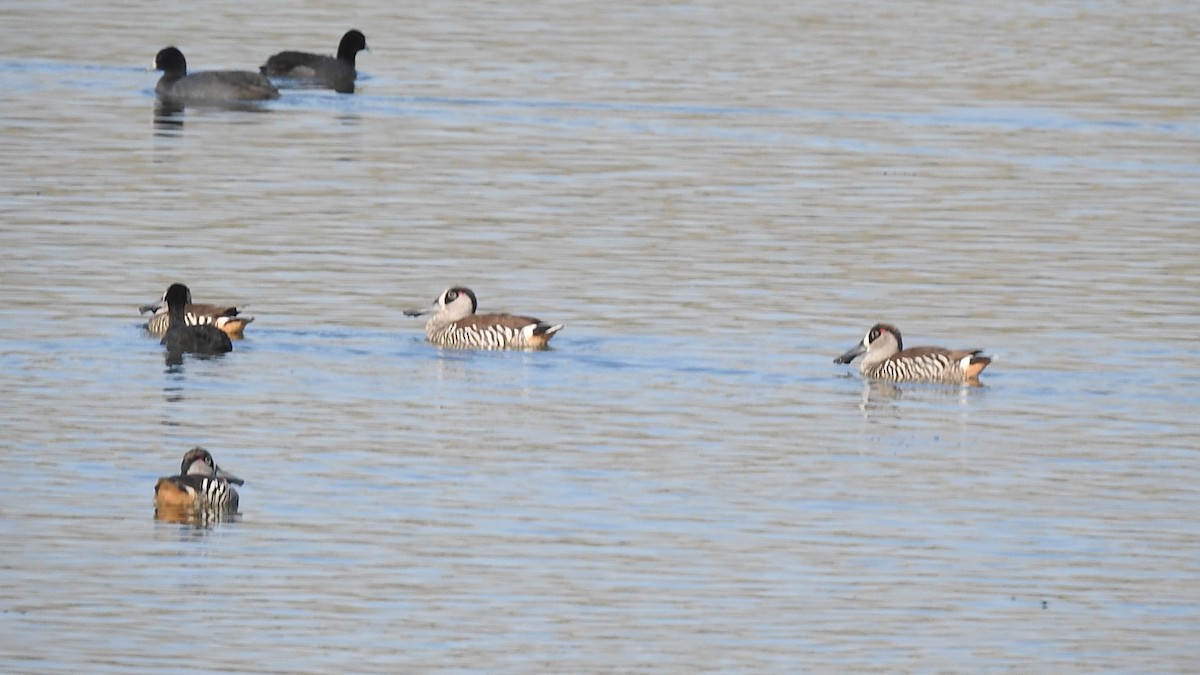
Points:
(418, 311)
(152, 307)
(222, 473)
(855, 351)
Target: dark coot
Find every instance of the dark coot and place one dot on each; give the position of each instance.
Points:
(214, 86)
(181, 338)
(319, 70)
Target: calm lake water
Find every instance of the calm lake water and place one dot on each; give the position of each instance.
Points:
(716, 198)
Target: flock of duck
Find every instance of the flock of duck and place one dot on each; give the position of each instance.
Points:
(190, 328)
(203, 329)
(178, 87)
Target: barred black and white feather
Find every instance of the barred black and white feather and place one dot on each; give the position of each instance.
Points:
(228, 318)
(200, 485)
(455, 324)
(886, 359)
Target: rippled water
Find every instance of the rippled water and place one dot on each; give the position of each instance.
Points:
(717, 199)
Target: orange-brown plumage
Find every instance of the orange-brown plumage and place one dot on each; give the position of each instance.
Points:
(169, 493)
(201, 484)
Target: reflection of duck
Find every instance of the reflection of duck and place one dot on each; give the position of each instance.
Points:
(457, 325)
(225, 318)
(196, 518)
(317, 69)
(214, 86)
(200, 485)
(182, 338)
(887, 359)
(880, 391)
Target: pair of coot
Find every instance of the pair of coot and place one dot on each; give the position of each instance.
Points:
(214, 86)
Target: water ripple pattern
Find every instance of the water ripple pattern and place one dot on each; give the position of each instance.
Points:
(717, 198)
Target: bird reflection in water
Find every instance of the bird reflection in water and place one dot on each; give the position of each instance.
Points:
(881, 395)
(197, 518)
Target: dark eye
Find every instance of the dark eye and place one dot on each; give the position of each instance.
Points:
(451, 296)
(874, 335)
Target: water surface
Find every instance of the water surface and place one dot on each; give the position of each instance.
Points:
(717, 200)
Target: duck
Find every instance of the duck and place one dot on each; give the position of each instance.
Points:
(885, 358)
(228, 318)
(200, 485)
(455, 324)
